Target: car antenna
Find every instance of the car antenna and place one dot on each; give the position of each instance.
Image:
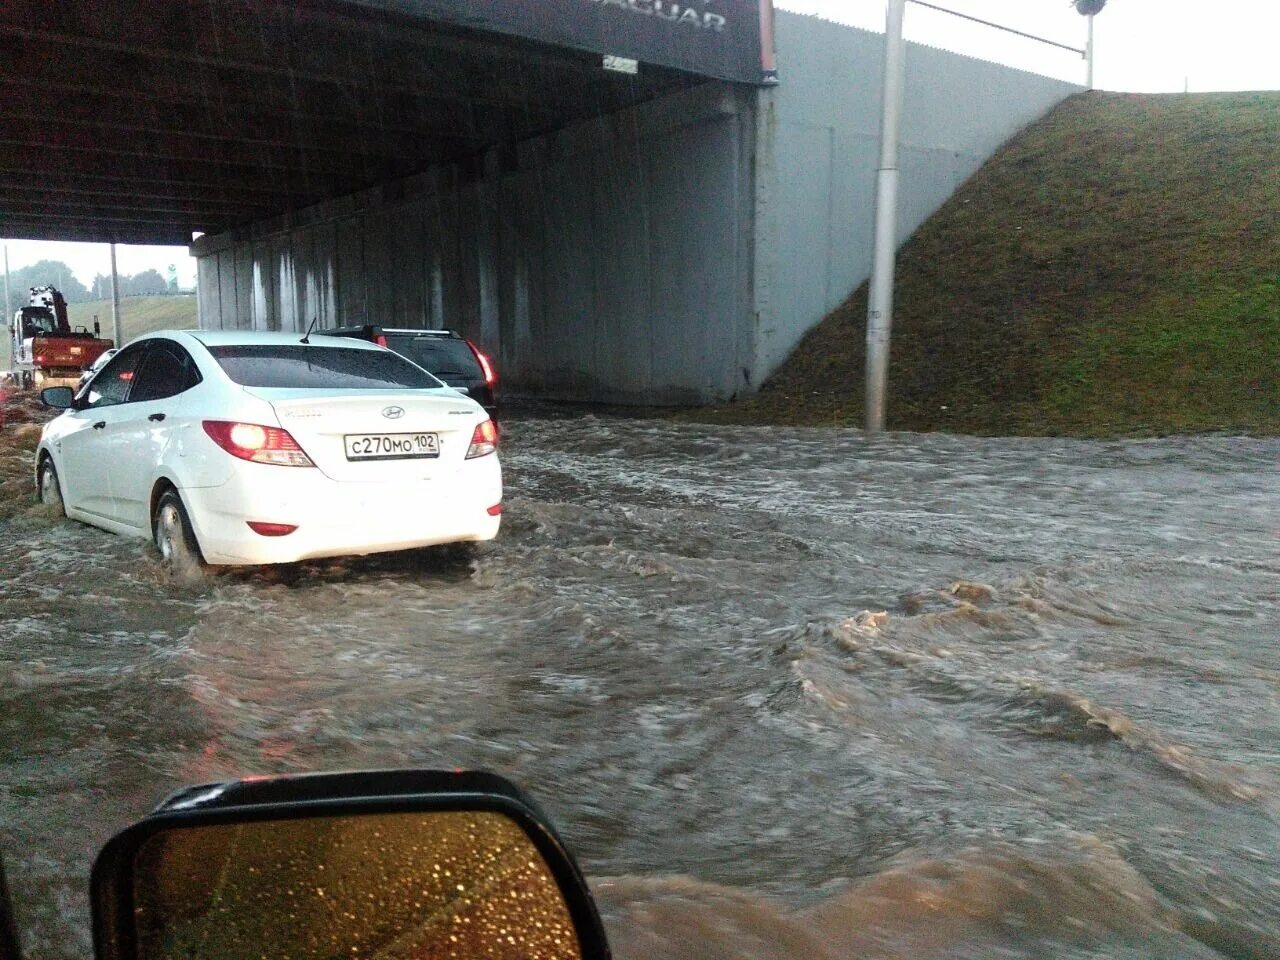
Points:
(306, 337)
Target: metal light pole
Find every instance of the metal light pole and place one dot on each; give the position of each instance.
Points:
(880, 297)
(115, 300)
(1089, 9)
(1089, 54)
(8, 301)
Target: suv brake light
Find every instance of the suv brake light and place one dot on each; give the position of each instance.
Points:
(250, 441)
(380, 340)
(484, 440)
(486, 365)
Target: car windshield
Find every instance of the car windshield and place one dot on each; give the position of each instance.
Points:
(312, 367)
(446, 357)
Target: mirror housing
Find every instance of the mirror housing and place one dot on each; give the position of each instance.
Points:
(224, 869)
(57, 398)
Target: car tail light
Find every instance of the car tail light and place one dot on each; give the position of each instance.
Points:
(484, 440)
(495, 510)
(271, 529)
(486, 365)
(250, 441)
(380, 340)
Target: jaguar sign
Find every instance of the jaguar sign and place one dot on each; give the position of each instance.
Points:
(689, 15)
(714, 38)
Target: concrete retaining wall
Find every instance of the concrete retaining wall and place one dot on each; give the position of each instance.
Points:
(818, 147)
(610, 261)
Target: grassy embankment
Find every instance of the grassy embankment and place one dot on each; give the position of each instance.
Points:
(1114, 270)
(138, 315)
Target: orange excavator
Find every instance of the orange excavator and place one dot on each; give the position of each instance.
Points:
(45, 348)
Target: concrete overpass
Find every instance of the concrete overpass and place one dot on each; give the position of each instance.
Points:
(143, 120)
(661, 236)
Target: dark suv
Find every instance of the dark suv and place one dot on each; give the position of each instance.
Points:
(446, 355)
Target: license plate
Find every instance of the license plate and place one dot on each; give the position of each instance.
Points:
(391, 446)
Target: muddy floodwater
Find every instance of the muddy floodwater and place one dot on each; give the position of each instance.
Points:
(787, 693)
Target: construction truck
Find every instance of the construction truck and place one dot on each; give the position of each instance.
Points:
(45, 348)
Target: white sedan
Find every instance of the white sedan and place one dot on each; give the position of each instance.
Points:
(236, 447)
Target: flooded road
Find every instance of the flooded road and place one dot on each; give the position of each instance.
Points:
(787, 693)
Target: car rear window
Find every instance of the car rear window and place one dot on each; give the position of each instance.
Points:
(313, 367)
(449, 359)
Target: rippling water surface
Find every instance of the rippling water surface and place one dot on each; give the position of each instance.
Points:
(787, 693)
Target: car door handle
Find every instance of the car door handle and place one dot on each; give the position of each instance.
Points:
(100, 425)
(157, 417)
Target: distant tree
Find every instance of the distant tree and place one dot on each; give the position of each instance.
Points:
(41, 274)
(148, 283)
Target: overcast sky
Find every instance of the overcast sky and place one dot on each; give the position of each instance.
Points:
(1150, 46)
(88, 259)
(1141, 45)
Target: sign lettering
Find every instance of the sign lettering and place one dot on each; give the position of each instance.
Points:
(712, 38)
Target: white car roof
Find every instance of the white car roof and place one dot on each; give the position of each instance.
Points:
(226, 338)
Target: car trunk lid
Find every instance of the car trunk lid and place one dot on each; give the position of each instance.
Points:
(390, 426)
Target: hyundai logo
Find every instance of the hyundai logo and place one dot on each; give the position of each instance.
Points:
(393, 413)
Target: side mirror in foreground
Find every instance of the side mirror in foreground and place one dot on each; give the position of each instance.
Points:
(57, 398)
(393, 865)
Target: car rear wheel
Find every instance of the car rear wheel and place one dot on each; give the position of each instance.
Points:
(50, 491)
(173, 534)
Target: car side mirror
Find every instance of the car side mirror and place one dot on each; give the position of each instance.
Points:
(391, 864)
(57, 398)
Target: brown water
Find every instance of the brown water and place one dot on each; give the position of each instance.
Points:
(1062, 738)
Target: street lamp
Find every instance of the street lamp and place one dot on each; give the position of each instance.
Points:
(884, 250)
(1089, 8)
(880, 292)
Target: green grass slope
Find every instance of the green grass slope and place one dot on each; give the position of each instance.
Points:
(1113, 270)
(138, 315)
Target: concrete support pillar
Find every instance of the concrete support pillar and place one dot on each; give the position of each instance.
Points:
(488, 196)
